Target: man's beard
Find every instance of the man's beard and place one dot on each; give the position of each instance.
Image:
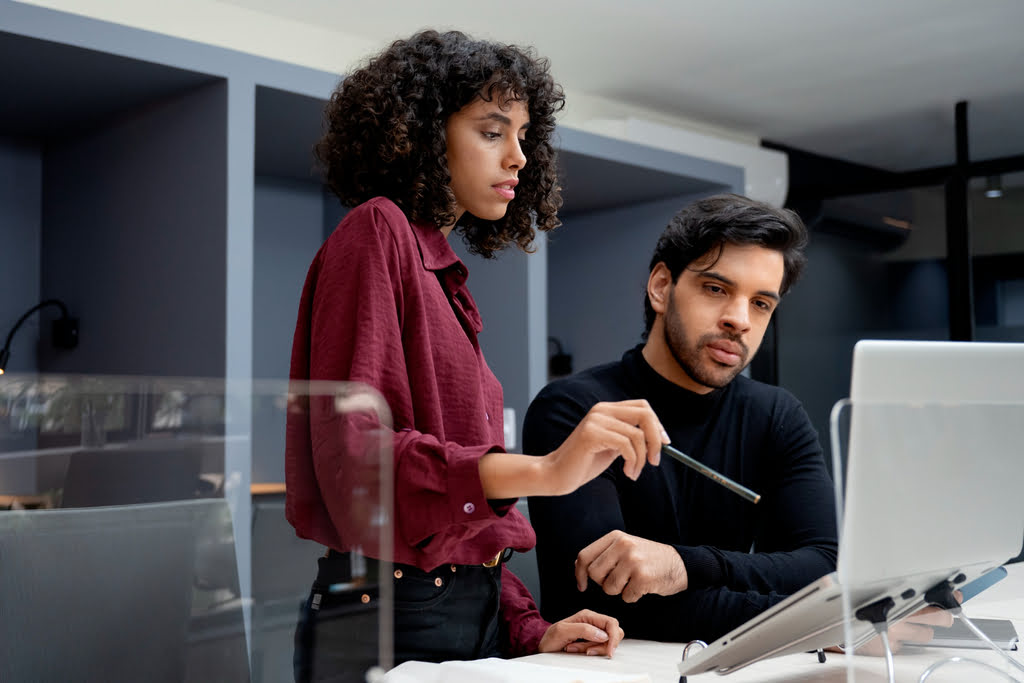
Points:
(689, 357)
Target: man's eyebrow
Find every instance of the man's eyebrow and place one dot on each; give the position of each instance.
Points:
(501, 118)
(726, 281)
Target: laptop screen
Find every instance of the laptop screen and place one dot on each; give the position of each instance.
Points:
(935, 430)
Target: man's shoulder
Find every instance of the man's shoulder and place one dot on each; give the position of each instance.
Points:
(593, 385)
(769, 396)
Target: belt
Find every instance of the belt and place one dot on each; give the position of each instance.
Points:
(504, 555)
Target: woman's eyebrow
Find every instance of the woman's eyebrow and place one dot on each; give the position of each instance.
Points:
(501, 118)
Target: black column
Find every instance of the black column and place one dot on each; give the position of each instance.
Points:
(958, 238)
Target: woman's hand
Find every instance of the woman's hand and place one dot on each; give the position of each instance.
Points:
(585, 632)
(625, 428)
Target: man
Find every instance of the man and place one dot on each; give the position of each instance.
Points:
(674, 555)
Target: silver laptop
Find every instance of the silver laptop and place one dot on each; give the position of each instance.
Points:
(932, 494)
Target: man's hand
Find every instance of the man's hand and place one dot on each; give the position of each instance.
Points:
(627, 429)
(632, 566)
(584, 632)
(916, 629)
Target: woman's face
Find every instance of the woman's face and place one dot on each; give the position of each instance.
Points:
(485, 155)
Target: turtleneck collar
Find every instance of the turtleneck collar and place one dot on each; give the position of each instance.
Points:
(659, 390)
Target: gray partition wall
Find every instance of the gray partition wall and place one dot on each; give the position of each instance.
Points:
(619, 198)
(21, 175)
(134, 241)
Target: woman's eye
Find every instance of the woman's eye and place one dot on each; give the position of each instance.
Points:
(490, 135)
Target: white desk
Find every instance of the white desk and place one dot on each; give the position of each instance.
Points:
(1005, 600)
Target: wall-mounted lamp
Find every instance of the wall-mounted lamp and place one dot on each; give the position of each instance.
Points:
(65, 330)
(994, 186)
(560, 363)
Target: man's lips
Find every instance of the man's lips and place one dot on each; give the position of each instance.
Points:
(726, 352)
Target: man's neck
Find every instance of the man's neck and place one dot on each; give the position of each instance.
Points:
(661, 360)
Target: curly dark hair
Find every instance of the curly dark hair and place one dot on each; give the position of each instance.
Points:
(386, 132)
(707, 225)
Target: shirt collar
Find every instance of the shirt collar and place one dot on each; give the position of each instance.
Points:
(435, 251)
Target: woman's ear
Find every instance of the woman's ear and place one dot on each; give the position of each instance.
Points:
(658, 286)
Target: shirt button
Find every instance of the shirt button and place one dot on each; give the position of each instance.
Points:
(398, 573)
(469, 508)
(438, 582)
(488, 416)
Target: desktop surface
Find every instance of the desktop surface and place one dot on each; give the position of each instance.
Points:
(1005, 600)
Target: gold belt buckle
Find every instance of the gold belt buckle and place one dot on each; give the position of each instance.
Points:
(493, 562)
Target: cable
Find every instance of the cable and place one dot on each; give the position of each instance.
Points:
(890, 667)
(966, 660)
(686, 653)
(981, 634)
(943, 595)
(65, 330)
(878, 614)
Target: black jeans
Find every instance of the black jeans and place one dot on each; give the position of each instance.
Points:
(336, 639)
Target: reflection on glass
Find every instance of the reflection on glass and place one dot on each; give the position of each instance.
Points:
(120, 529)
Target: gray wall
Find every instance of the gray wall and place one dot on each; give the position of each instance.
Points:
(840, 296)
(134, 222)
(20, 196)
(852, 290)
(288, 219)
(502, 289)
(21, 177)
(597, 272)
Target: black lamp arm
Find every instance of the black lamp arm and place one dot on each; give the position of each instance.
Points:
(23, 318)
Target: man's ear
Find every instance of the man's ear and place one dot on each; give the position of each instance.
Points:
(659, 284)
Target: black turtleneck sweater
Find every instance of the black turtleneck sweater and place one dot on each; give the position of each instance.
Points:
(741, 558)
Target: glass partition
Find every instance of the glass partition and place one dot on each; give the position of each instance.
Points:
(930, 510)
(133, 545)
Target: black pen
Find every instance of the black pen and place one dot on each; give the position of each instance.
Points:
(725, 481)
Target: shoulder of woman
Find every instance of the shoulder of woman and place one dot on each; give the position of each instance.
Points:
(377, 220)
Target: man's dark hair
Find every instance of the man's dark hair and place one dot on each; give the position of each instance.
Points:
(386, 132)
(704, 227)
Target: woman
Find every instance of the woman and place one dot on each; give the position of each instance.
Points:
(438, 134)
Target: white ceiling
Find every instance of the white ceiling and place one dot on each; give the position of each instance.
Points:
(871, 81)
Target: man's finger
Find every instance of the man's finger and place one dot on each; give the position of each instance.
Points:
(907, 632)
(633, 591)
(932, 616)
(614, 580)
(587, 556)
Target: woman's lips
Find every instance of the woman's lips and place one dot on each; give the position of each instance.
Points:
(505, 190)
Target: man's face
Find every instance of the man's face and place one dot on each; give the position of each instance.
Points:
(718, 310)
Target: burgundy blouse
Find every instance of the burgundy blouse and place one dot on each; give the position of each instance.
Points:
(385, 303)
